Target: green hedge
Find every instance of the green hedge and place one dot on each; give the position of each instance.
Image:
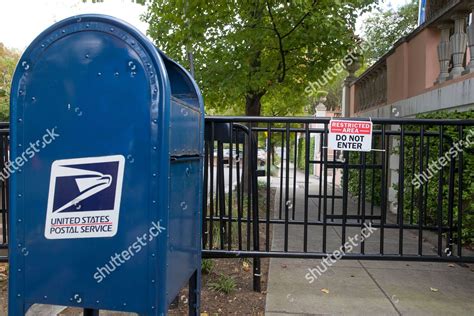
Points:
(430, 190)
(301, 153)
(355, 175)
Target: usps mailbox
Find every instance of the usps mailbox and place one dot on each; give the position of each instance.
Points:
(106, 160)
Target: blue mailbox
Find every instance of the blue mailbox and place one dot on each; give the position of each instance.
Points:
(106, 172)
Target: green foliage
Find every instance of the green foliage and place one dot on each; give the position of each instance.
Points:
(8, 61)
(224, 284)
(384, 28)
(207, 265)
(373, 177)
(255, 57)
(301, 153)
(430, 190)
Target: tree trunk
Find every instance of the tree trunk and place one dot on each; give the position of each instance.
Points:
(252, 108)
(252, 103)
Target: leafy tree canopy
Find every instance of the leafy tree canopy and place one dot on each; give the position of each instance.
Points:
(8, 61)
(255, 57)
(383, 28)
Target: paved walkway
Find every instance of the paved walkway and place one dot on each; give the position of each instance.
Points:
(351, 287)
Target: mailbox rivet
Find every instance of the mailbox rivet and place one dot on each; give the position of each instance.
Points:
(99, 74)
(124, 304)
(154, 147)
(45, 297)
(87, 25)
(111, 29)
(19, 145)
(20, 120)
(152, 281)
(19, 295)
(63, 31)
(154, 174)
(153, 307)
(33, 99)
(97, 301)
(155, 121)
(154, 202)
(42, 45)
(87, 56)
(19, 195)
(19, 270)
(19, 220)
(152, 254)
(25, 65)
(116, 74)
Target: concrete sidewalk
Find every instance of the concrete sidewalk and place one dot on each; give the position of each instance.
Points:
(352, 287)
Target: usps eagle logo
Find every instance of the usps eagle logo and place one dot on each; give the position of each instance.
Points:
(84, 197)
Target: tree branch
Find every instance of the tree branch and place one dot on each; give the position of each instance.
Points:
(300, 21)
(281, 78)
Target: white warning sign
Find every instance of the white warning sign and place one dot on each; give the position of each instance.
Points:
(350, 135)
(84, 197)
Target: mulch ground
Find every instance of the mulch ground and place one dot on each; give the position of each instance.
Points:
(242, 301)
(3, 288)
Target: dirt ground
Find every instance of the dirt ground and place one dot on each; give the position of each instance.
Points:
(3, 288)
(242, 301)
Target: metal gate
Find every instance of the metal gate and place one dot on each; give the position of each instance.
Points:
(276, 190)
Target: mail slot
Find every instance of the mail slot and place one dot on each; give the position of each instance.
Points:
(106, 172)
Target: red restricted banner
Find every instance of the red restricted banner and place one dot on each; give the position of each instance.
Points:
(348, 127)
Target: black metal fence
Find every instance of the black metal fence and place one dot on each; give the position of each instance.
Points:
(274, 189)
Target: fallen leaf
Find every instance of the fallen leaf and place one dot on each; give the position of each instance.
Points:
(451, 265)
(326, 291)
(204, 314)
(246, 266)
(433, 289)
